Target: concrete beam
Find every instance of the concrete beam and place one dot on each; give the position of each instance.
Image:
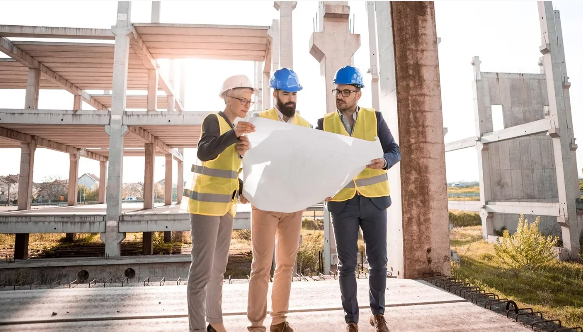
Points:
(527, 129)
(176, 222)
(32, 89)
(534, 208)
(54, 117)
(461, 144)
(45, 143)
(27, 151)
(145, 136)
(19, 55)
(163, 118)
(141, 50)
(52, 224)
(55, 32)
(464, 206)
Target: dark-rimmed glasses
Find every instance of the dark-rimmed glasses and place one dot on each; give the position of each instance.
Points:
(244, 102)
(344, 93)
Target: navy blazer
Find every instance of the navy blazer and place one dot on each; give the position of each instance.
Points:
(392, 155)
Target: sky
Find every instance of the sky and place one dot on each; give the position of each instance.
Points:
(506, 36)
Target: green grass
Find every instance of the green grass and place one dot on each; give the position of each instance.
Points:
(463, 190)
(556, 290)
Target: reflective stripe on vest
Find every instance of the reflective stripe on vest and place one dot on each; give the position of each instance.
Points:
(214, 198)
(369, 182)
(220, 173)
(215, 181)
(272, 114)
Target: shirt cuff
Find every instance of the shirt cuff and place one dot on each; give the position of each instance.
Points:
(385, 165)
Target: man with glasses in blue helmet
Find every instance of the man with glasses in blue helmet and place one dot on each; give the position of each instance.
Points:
(267, 226)
(363, 202)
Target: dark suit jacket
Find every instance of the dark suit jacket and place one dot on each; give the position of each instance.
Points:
(392, 155)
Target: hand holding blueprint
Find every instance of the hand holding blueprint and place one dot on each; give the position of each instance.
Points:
(289, 168)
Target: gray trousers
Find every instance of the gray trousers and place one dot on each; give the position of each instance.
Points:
(211, 239)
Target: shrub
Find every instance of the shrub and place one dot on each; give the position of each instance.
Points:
(313, 225)
(464, 219)
(527, 248)
(308, 255)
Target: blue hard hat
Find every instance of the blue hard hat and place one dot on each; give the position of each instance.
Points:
(285, 79)
(349, 75)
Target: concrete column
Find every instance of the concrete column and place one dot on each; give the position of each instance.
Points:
(180, 179)
(32, 89)
(286, 57)
(411, 103)
(374, 61)
(171, 98)
(168, 180)
(150, 156)
(156, 9)
(266, 92)
(177, 236)
(21, 246)
(483, 117)
(77, 102)
(116, 130)
(27, 151)
(560, 115)
(102, 181)
(333, 46)
(275, 40)
(258, 82)
(73, 188)
(73, 179)
(24, 194)
(182, 73)
(152, 103)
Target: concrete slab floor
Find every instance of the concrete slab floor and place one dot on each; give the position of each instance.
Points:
(314, 306)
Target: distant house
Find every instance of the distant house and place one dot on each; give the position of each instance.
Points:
(90, 181)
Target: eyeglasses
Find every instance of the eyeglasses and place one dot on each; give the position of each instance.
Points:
(244, 102)
(344, 93)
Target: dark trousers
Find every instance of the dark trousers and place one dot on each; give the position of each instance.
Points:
(361, 212)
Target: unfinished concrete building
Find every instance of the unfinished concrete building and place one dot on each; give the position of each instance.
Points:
(403, 41)
(527, 166)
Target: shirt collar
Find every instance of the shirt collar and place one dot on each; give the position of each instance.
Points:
(354, 115)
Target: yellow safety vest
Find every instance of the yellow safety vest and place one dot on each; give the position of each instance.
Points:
(215, 181)
(369, 182)
(296, 119)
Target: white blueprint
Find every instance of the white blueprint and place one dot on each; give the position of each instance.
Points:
(289, 168)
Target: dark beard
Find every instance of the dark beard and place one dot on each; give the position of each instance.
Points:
(288, 109)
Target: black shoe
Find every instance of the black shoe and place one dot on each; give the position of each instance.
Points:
(210, 329)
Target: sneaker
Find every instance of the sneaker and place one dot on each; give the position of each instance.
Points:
(379, 323)
(352, 327)
(283, 327)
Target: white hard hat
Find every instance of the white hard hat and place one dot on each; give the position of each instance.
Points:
(237, 81)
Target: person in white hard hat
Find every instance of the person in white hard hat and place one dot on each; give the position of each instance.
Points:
(212, 202)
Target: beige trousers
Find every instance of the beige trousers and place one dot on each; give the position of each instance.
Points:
(266, 226)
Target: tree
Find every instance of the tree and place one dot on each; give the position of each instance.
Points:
(132, 190)
(53, 189)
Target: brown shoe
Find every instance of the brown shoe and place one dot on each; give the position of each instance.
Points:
(283, 327)
(352, 327)
(379, 323)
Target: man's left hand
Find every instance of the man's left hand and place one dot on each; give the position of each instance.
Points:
(243, 200)
(377, 163)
